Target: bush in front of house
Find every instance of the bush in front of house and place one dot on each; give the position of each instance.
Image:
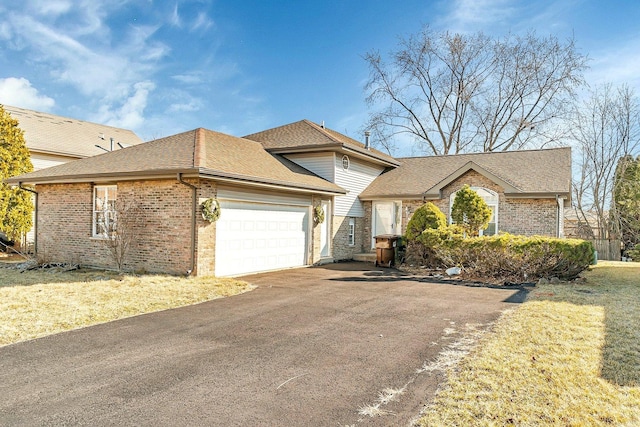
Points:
(506, 257)
(470, 211)
(427, 218)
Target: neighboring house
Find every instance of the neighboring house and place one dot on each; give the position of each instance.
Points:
(581, 225)
(269, 185)
(53, 140)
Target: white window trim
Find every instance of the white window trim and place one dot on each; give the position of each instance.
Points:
(492, 203)
(351, 235)
(109, 213)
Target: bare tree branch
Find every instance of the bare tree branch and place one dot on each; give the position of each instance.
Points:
(452, 93)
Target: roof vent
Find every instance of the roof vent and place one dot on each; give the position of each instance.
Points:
(322, 125)
(367, 134)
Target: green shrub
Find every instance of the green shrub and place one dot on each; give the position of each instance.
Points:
(470, 211)
(427, 216)
(634, 253)
(507, 257)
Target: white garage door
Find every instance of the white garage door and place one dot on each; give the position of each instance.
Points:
(252, 237)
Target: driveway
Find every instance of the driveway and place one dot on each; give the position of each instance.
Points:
(313, 346)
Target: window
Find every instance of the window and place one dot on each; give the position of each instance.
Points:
(345, 162)
(352, 232)
(491, 199)
(104, 210)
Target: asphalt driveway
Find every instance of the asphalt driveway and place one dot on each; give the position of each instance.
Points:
(314, 346)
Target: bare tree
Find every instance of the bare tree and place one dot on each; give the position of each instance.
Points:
(124, 231)
(606, 129)
(452, 93)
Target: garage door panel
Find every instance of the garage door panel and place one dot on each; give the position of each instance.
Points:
(253, 237)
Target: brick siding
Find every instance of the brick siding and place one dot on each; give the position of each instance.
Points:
(516, 216)
(65, 226)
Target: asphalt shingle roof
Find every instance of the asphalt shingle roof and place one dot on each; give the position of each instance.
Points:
(306, 134)
(526, 172)
(51, 134)
(205, 152)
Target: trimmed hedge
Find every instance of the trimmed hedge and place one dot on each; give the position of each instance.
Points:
(505, 257)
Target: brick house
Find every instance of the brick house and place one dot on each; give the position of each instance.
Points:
(269, 186)
(53, 140)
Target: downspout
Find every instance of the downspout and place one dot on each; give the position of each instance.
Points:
(560, 202)
(194, 202)
(35, 222)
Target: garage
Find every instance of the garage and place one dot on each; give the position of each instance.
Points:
(257, 236)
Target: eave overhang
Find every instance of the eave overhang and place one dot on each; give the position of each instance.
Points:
(362, 154)
(171, 174)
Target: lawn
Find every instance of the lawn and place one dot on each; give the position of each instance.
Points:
(569, 356)
(43, 302)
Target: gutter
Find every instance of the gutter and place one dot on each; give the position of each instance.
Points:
(194, 202)
(35, 222)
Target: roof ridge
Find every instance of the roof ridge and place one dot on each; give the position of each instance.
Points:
(486, 153)
(322, 130)
(199, 147)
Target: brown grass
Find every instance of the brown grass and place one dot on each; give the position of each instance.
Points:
(38, 303)
(567, 357)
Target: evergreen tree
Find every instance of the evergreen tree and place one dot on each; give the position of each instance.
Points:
(470, 211)
(16, 206)
(627, 200)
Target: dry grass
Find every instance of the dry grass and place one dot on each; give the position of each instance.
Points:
(38, 303)
(567, 357)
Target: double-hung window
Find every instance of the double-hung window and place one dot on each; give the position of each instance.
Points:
(104, 210)
(352, 232)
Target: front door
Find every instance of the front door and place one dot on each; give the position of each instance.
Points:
(386, 219)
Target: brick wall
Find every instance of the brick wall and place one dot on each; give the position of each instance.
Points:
(341, 248)
(65, 226)
(315, 232)
(516, 216)
(206, 232)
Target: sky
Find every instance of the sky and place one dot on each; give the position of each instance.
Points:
(162, 67)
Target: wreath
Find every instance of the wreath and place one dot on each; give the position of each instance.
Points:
(210, 210)
(318, 214)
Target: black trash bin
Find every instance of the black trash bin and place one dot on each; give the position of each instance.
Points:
(386, 249)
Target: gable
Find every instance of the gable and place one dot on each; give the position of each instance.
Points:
(435, 192)
(527, 173)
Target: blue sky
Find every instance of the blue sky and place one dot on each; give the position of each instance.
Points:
(239, 66)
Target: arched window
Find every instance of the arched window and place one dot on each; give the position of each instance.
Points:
(491, 199)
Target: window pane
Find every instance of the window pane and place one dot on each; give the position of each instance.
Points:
(491, 229)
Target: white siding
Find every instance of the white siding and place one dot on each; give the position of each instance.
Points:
(354, 180)
(322, 164)
(42, 161)
(237, 194)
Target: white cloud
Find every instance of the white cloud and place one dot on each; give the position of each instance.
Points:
(472, 15)
(202, 22)
(130, 114)
(19, 93)
(174, 19)
(190, 78)
(618, 64)
(52, 7)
